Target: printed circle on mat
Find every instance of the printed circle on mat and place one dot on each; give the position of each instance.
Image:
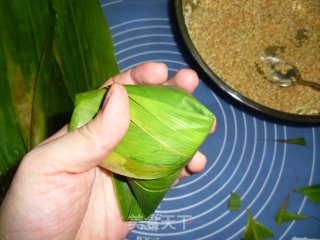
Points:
(243, 156)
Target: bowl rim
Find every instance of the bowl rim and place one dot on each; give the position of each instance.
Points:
(226, 88)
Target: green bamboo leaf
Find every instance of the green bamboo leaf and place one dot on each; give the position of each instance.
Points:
(87, 105)
(149, 193)
(234, 202)
(311, 192)
(255, 230)
(129, 207)
(23, 30)
(12, 146)
(83, 46)
(49, 51)
(167, 126)
(42, 88)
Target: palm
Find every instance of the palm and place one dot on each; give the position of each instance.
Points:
(81, 205)
(102, 210)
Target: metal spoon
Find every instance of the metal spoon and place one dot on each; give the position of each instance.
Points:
(289, 76)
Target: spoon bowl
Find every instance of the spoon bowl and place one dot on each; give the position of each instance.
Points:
(285, 74)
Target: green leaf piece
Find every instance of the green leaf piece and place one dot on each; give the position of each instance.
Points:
(255, 230)
(234, 202)
(298, 141)
(311, 192)
(286, 216)
(167, 126)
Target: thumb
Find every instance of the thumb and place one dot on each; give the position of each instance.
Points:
(86, 147)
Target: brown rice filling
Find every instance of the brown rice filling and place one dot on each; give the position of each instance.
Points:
(232, 36)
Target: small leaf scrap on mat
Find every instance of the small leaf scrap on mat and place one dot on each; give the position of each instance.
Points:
(255, 230)
(312, 192)
(234, 202)
(298, 141)
(284, 215)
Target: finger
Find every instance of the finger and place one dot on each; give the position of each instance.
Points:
(214, 126)
(58, 134)
(146, 73)
(196, 165)
(186, 79)
(87, 146)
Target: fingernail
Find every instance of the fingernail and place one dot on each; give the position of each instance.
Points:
(110, 90)
(163, 64)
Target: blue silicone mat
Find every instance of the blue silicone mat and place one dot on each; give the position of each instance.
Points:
(242, 156)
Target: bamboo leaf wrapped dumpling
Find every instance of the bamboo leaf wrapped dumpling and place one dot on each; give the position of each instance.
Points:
(167, 126)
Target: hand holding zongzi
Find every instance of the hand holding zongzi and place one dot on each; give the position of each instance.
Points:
(60, 192)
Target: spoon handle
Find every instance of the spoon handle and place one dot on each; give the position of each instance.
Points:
(311, 84)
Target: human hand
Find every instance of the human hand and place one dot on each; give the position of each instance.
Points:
(59, 192)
